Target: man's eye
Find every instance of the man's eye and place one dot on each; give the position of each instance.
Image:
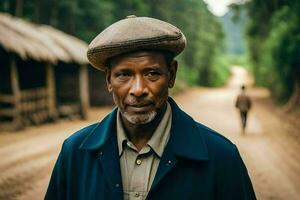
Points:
(153, 75)
(123, 74)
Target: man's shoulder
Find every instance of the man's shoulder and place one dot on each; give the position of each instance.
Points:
(93, 135)
(212, 134)
(78, 137)
(217, 144)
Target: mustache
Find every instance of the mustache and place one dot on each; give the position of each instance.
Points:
(138, 102)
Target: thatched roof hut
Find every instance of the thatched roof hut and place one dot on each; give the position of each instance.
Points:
(24, 48)
(40, 42)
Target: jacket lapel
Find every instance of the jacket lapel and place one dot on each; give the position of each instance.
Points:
(111, 167)
(167, 162)
(103, 142)
(185, 141)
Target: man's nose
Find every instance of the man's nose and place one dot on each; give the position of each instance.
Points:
(138, 87)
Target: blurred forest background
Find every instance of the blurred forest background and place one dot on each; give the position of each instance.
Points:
(262, 36)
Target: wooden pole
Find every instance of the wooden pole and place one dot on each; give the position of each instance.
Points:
(84, 91)
(51, 99)
(14, 76)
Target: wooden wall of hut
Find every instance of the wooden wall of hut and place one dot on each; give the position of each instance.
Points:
(6, 99)
(68, 99)
(32, 74)
(34, 93)
(35, 80)
(99, 94)
(25, 98)
(5, 87)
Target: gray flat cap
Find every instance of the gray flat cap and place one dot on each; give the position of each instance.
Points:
(132, 34)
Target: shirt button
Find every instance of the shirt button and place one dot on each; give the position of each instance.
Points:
(138, 162)
(137, 194)
(169, 163)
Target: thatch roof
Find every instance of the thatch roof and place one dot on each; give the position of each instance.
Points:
(40, 42)
(74, 47)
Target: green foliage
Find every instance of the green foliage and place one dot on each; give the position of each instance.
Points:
(220, 71)
(274, 44)
(187, 74)
(222, 65)
(93, 17)
(281, 46)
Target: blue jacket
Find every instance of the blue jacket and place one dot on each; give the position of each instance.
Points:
(197, 163)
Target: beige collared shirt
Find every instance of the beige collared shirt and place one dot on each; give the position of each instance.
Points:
(138, 169)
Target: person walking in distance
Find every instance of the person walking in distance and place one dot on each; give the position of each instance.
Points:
(243, 103)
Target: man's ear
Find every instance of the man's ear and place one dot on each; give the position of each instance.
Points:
(172, 70)
(107, 78)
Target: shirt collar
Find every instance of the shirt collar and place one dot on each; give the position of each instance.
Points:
(121, 136)
(161, 135)
(159, 138)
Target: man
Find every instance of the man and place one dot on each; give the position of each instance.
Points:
(146, 148)
(243, 104)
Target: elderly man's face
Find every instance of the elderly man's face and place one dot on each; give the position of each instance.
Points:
(139, 83)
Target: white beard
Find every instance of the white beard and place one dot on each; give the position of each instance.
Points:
(140, 118)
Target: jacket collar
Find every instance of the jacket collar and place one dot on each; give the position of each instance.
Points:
(101, 134)
(186, 139)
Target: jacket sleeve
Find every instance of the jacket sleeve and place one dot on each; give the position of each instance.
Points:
(57, 185)
(234, 181)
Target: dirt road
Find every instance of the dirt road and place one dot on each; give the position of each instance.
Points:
(270, 147)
